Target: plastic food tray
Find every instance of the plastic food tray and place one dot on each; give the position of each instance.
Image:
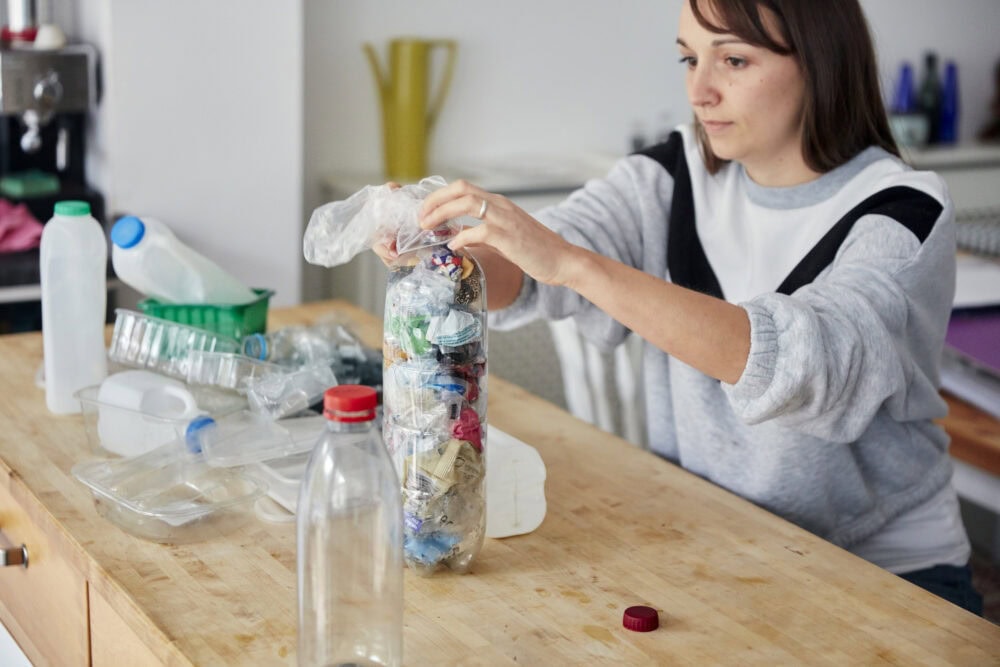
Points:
(170, 496)
(232, 321)
(142, 341)
(283, 477)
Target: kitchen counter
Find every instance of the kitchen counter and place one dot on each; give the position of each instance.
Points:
(732, 583)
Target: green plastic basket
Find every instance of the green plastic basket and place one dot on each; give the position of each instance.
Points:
(234, 321)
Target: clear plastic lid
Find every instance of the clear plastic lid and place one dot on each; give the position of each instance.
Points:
(170, 495)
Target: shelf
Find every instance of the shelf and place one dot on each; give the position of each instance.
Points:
(961, 156)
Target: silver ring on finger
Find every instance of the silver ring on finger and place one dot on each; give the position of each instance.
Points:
(482, 210)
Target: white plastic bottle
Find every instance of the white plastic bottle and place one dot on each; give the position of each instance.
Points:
(350, 541)
(149, 258)
(73, 267)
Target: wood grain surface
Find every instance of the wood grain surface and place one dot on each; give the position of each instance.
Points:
(733, 583)
(975, 435)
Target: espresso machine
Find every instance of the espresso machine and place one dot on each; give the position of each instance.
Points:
(46, 96)
(45, 99)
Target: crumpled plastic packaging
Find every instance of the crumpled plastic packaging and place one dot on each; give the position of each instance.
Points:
(434, 366)
(340, 230)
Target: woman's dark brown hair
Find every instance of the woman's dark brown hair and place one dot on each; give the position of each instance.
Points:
(843, 111)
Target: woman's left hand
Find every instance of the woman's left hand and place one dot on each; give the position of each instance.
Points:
(506, 228)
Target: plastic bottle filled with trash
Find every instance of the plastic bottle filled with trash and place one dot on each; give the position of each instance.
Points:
(148, 257)
(349, 534)
(434, 401)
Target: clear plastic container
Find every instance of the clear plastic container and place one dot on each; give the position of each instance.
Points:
(148, 257)
(135, 411)
(141, 341)
(146, 431)
(283, 477)
(169, 495)
(434, 401)
(349, 538)
(73, 268)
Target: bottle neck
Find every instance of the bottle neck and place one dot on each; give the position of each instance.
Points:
(349, 427)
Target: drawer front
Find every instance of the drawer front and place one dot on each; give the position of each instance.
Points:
(45, 604)
(113, 641)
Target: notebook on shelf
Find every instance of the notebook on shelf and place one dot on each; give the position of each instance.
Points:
(970, 366)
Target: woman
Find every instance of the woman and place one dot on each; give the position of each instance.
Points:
(791, 277)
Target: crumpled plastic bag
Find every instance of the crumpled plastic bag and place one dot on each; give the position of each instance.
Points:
(340, 230)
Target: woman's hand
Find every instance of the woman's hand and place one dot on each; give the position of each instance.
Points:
(386, 248)
(506, 229)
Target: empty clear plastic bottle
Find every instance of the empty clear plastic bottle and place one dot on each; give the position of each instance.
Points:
(350, 554)
(291, 346)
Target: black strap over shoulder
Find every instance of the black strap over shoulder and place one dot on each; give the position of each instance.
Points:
(686, 258)
(689, 266)
(915, 210)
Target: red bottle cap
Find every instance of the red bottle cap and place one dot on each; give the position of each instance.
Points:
(26, 34)
(641, 619)
(350, 403)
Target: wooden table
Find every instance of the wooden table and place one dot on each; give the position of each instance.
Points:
(733, 583)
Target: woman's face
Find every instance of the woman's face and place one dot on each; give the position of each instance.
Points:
(747, 98)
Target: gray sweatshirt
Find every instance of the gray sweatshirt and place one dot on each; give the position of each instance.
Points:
(848, 283)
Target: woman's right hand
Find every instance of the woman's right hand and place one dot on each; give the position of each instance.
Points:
(506, 230)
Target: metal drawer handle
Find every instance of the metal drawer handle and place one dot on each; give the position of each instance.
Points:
(14, 556)
(10, 555)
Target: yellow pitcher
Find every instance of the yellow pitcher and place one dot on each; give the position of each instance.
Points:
(404, 90)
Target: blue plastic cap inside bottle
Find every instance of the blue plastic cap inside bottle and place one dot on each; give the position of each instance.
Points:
(196, 426)
(127, 231)
(255, 346)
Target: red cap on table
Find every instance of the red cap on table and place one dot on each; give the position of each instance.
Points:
(641, 619)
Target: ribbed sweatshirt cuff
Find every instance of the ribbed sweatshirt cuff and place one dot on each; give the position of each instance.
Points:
(759, 371)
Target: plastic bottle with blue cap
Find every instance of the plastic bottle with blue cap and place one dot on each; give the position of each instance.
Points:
(148, 257)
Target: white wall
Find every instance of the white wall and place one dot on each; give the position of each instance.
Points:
(201, 127)
(563, 76)
(222, 117)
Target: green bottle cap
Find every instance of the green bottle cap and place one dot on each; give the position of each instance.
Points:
(72, 208)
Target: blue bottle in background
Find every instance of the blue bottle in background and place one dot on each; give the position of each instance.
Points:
(903, 100)
(948, 122)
